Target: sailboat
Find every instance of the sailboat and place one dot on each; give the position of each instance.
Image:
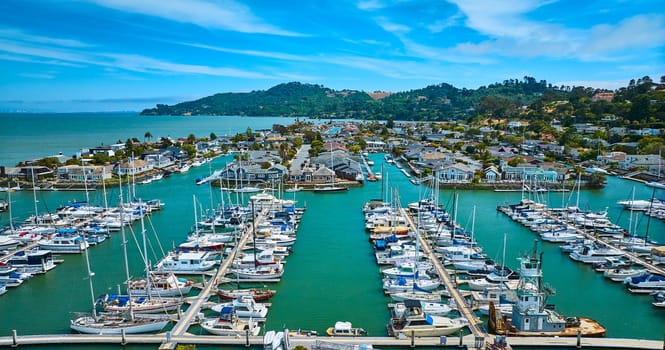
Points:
(331, 188)
(129, 303)
(112, 323)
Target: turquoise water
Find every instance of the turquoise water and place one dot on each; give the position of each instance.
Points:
(332, 275)
(27, 136)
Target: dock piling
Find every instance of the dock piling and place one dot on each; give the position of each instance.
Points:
(123, 342)
(579, 339)
(413, 339)
(247, 338)
(461, 338)
(14, 339)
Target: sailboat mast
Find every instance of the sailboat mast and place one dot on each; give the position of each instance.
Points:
(90, 274)
(34, 194)
(145, 249)
(106, 203)
(124, 252)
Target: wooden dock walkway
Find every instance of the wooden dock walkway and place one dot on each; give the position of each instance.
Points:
(468, 341)
(195, 307)
(463, 308)
(370, 174)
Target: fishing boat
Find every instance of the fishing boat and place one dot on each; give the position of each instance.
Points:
(433, 296)
(245, 307)
(620, 274)
(345, 329)
(256, 294)
(531, 316)
(229, 324)
(415, 322)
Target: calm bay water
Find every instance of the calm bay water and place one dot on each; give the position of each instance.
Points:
(332, 275)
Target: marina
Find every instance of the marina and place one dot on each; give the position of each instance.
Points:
(307, 262)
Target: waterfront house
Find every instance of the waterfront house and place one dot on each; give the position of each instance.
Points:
(457, 172)
(94, 173)
(492, 174)
(133, 167)
(250, 173)
(323, 174)
(375, 146)
(158, 159)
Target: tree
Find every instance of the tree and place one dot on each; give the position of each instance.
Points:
(189, 148)
(213, 136)
(191, 138)
(147, 136)
(390, 123)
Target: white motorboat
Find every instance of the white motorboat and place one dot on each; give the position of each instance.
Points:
(186, 263)
(402, 284)
(620, 274)
(245, 307)
(229, 324)
(345, 329)
(431, 308)
(61, 243)
(33, 261)
(415, 322)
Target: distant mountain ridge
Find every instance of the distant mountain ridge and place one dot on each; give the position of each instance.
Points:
(434, 102)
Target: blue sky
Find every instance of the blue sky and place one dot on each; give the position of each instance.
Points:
(112, 55)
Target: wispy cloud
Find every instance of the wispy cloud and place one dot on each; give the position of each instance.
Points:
(509, 32)
(14, 50)
(440, 25)
(227, 15)
(19, 35)
(38, 75)
(392, 27)
(254, 53)
(370, 5)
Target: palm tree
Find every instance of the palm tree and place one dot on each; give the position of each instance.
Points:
(147, 136)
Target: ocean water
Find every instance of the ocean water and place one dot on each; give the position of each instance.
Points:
(331, 276)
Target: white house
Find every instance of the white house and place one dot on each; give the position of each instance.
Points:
(134, 167)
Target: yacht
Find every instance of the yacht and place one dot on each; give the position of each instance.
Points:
(415, 322)
(229, 324)
(186, 263)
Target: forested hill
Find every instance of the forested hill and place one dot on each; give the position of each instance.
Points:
(435, 102)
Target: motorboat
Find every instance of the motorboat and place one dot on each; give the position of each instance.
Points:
(645, 282)
(186, 263)
(439, 309)
(345, 329)
(620, 274)
(34, 261)
(245, 307)
(229, 324)
(257, 294)
(415, 322)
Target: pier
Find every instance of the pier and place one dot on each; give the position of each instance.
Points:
(468, 341)
(370, 174)
(451, 287)
(188, 317)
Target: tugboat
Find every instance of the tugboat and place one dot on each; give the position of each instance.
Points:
(531, 316)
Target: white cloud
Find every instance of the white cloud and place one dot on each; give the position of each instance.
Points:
(637, 31)
(38, 75)
(509, 33)
(136, 63)
(19, 35)
(370, 5)
(440, 25)
(392, 27)
(227, 15)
